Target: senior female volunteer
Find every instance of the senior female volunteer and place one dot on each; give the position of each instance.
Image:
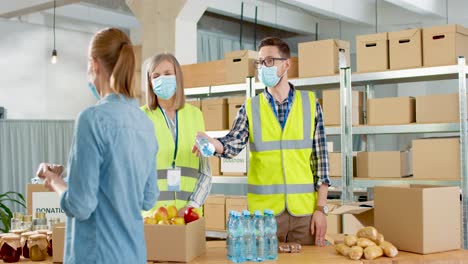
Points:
(111, 173)
(183, 178)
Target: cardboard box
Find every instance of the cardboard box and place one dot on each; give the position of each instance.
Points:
(405, 49)
(355, 216)
(196, 103)
(418, 218)
(235, 203)
(215, 113)
(138, 57)
(239, 65)
(391, 111)
(58, 242)
(333, 221)
(334, 161)
(372, 52)
(384, 164)
(437, 109)
(235, 103)
(236, 166)
(215, 212)
(185, 243)
(436, 158)
(39, 199)
(331, 107)
(204, 74)
(293, 71)
(215, 166)
(443, 44)
(320, 58)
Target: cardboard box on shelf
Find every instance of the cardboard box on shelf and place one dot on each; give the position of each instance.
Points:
(186, 243)
(320, 58)
(215, 113)
(215, 166)
(239, 65)
(40, 199)
(138, 57)
(372, 52)
(58, 239)
(405, 49)
(391, 111)
(196, 103)
(293, 71)
(331, 107)
(215, 212)
(236, 166)
(355, 216)
(447, 110)
(334, 160)
(235, 203)
(418, 218)
(204, 74)
(443, 44)
(235, 103)
(384, 164)
(330, 146)
(436, 158)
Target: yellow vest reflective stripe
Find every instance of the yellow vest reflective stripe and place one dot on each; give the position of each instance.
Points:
(280, 174)
(190, 121)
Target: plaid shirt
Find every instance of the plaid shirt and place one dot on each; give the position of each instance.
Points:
(236, 140)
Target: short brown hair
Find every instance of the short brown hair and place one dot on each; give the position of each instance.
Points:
(282, 46)
(114, 49)
(151, 98)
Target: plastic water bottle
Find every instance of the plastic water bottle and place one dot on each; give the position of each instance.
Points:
(237, 238)
(249, 238)
(271, 239)
(206, 148)
(259, 231)
(229, 230)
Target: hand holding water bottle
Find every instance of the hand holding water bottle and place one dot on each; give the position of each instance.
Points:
(206, 146)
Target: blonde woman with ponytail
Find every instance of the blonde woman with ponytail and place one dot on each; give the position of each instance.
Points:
(111, 170)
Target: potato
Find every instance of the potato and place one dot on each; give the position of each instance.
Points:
(350, 240)
(342, 249)
(368, 232)
(379, 239)
(356, 253)
(389, 249)
(364, 242)
(373, 252)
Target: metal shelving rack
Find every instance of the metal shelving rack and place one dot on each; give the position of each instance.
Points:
(345, 81)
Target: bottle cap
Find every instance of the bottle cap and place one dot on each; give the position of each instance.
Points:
(246, 213)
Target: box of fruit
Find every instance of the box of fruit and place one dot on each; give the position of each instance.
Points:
(173, 238)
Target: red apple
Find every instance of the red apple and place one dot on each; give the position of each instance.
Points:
(171, 212)
(191, 215)
(160, 214)
(178, 221)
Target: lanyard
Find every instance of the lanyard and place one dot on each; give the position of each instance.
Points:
(177, 133)
(275, 111)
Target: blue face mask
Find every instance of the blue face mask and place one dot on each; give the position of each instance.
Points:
(164, 86)
(268, 76)
(94, 91)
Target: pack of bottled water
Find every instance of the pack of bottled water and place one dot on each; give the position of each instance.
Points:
(251, 237)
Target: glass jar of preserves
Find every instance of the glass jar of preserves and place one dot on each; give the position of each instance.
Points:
(49, 246)
(1, 236)
(53, 221)
(37, 247)
(40, 215)
(40, 227)
(10, 248)
(24, 242)
(16, 220)
(27, 223)
(17, 231)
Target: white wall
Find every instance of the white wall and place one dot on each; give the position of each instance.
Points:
(33, 88)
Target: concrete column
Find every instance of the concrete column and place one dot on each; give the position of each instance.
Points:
(169, 26)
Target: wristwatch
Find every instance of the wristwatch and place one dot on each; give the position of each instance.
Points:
(323, 209)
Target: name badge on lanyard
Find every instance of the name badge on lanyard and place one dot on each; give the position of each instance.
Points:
(173, 179)
(174, 174)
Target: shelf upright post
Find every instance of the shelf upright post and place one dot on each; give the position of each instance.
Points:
(347, 194)
(463, 146)
(369, 94)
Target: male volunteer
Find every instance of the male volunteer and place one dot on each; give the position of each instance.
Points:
(288, 170)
